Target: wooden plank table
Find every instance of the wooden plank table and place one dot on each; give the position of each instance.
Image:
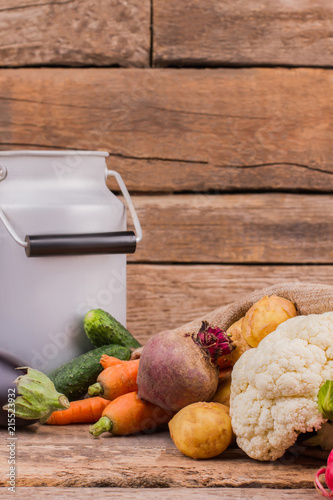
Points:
(168, 493)
(59, 460)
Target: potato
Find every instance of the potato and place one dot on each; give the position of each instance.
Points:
(264, 317)
(235, 331)
(222, 395)
(202, 430)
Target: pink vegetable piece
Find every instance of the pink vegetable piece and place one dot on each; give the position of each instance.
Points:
(328, 471)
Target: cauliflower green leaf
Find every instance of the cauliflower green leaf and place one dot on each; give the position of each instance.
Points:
(325, 399)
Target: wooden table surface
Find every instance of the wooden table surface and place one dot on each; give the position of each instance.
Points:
(60, 461)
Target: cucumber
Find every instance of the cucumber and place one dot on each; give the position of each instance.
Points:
(102, 328)
(74, 377)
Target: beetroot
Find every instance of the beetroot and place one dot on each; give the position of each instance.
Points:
(177, 370)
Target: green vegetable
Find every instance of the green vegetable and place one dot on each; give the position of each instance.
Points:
(102, 328)
(74, 378)
(324, 436)
(325, 399)
(38, 399)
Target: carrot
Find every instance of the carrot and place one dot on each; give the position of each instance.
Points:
(107, 361)
(116, 380)
(128, 414)
(83, 411)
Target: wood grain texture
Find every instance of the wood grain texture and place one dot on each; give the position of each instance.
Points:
(256, 228)
(73, 458)
(243, 33)
(164, 296)
(167, 493)
(159, 175)
(74, 33)
(184, 130)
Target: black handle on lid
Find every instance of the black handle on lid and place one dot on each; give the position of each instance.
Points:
(81, 244)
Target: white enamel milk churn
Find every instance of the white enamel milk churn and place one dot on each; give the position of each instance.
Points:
(63, 246)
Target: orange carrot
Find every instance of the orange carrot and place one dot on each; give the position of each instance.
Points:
(83, 411)
(107, 361)
(128, 414)
(116, 380)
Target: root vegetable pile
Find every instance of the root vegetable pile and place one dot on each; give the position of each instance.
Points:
(277, 381)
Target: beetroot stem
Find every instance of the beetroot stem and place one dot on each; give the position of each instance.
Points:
(215, 340)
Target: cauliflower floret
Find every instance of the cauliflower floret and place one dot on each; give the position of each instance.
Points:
(274, 386)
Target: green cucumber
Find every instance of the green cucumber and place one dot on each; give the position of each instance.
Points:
(102, 328)
(74, 377)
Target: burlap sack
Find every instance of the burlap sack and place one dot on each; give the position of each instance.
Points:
(309, 298)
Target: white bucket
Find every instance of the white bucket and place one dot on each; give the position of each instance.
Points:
(63, 245)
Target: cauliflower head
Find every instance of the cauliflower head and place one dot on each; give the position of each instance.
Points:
(274, 386)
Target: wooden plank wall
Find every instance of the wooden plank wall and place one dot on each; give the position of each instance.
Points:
(219, 117)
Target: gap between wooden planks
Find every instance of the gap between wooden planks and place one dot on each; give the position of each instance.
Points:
(165, 296)
(181, 130)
